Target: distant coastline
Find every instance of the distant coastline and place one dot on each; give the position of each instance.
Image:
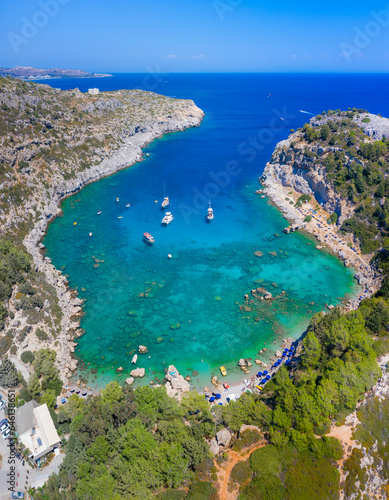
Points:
(28, 73)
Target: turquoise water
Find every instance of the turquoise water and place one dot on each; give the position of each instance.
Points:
(190, 310)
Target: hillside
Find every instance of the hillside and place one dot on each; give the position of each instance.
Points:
(52, 143)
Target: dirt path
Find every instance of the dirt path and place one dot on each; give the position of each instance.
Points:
(226, 468)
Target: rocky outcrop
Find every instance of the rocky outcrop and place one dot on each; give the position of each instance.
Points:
(138, 373)
(223, 437)
(176, 384)
(130, 380)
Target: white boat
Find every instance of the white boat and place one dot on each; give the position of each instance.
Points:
(127, 205)
(209, 212)
(168, 218)
(134, 359)
(166, 201)
(117, 200)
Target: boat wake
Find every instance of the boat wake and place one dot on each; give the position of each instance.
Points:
(306, 112)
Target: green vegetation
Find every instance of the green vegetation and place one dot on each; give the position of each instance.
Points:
(294, 472)
(308, 218)
(130, 443)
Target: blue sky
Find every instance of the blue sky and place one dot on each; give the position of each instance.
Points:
(196, 35)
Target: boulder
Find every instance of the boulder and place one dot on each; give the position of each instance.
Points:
(143, 349)
(223, 437)
(214, 447)
(242, 362)
(138, 372)
(176, 385)
(119, 370)
(278, 354)
(130, 380)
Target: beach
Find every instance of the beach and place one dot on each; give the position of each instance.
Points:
(328, 235)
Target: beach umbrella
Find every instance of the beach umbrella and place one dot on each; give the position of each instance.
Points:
(263, 381)
(259, 374)
(211, 399)
(287, 361)
(63, 400)
(268, 377)
(265, 372)
(217, 396)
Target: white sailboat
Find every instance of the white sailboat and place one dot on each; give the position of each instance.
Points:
(166, 201)
(134, 359)
(209, 212)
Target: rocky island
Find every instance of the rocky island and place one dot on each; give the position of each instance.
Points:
(52, 143)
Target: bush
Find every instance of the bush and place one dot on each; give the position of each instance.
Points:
(27, 357)
(308, 218)
(241, 472)
(27, 289)
(41, 334)
(5, 344)
(247, 438)
(8, 374)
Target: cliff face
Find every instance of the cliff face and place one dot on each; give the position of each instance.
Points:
(302, 164)
(52, 143)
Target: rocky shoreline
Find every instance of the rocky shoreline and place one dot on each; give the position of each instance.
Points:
(127, 155)
(281, 191)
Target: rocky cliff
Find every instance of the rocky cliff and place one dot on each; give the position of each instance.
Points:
(52, 143)
(302, 161)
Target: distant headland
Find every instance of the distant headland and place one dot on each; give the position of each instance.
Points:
(30, 73)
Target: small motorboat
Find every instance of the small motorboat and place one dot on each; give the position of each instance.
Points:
(134, 359)
(226, 386)
(223, 371)
(167, 219)
(148, 238)
(127, 205)
(117, 200)
(90, 235)
(120, 217)
(99, 212)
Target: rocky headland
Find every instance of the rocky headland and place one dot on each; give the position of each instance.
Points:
(301, 182)
(53, 143)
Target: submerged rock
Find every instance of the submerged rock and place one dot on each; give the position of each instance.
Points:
(130, 380)
(143, 349)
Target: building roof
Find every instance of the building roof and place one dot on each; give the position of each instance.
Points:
(46, 425)
(25, 418)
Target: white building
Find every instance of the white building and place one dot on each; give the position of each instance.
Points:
(36, 429)
(93, 91)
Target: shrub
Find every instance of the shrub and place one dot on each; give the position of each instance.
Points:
(308, 218)
(241, 472)
(5, 344)
(27, 357)
(26, 288)
(8, 374)
(41, 334)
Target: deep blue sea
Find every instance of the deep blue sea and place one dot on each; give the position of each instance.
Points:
(187, 309)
